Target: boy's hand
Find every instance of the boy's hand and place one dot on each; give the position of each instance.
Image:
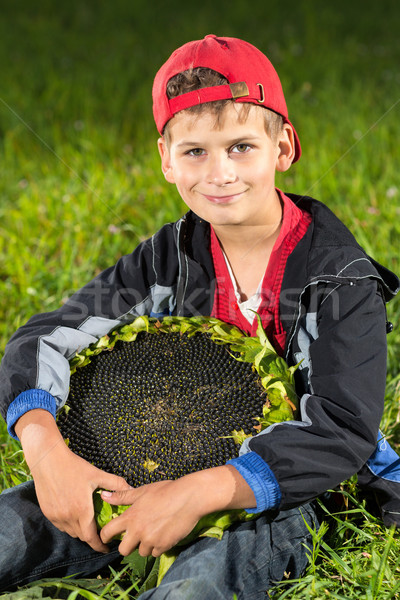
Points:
(64, 482)
(160, 516)
(64, 485)
(165, 512)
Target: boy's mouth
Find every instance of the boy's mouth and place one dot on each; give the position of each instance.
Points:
(222, 199)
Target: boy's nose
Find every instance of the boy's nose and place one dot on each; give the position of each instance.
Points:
(220, 170)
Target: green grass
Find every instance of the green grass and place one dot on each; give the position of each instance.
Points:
(81, 184)
(354, 557)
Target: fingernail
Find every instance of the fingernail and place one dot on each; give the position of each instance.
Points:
(106, 494)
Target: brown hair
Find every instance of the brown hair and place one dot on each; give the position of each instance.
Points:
(201, 77)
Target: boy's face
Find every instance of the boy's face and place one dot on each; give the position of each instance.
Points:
(226, 175)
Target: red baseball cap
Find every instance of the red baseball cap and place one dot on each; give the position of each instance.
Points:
(251, 78)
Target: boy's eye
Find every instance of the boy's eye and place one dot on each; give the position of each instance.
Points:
(241, 148)
(196, 152)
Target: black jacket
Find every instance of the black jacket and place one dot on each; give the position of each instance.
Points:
(332, 306)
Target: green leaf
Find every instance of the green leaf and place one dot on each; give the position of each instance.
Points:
(166, 561)
(258, 358)
(279, 367)
(248, 353)
(151, 579)
(103, 342)
(220, 330)
(266, 365)
(214, 532)
(265, 380)
(103, 510)
(32, 594)
(129, 336)
(278, 415)
(140, 324)
(238, 436)
(293, 369)
(186, 327)
(90, 589)
(262, 336)
(277, 385)
(219, 519)
(139, 565)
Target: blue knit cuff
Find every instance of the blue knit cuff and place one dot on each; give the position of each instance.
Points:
(385, 462)
(260, 478)
(28, 401)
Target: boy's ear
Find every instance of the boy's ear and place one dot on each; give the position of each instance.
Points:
(166, 167)
(286, 148)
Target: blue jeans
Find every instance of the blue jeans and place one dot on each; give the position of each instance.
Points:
(249, 559)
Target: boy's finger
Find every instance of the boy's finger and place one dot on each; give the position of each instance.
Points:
(115, 528)
(121, 497)
(112, 482)
(90, 535)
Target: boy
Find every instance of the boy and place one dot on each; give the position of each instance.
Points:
(244, 246)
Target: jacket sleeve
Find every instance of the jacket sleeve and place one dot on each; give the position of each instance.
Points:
(34, 372)
(341, 339)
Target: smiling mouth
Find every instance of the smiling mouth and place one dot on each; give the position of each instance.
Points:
(222, 199)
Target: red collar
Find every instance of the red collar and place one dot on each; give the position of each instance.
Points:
(294, 225)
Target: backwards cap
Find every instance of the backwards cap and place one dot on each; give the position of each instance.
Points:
(251, 78)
